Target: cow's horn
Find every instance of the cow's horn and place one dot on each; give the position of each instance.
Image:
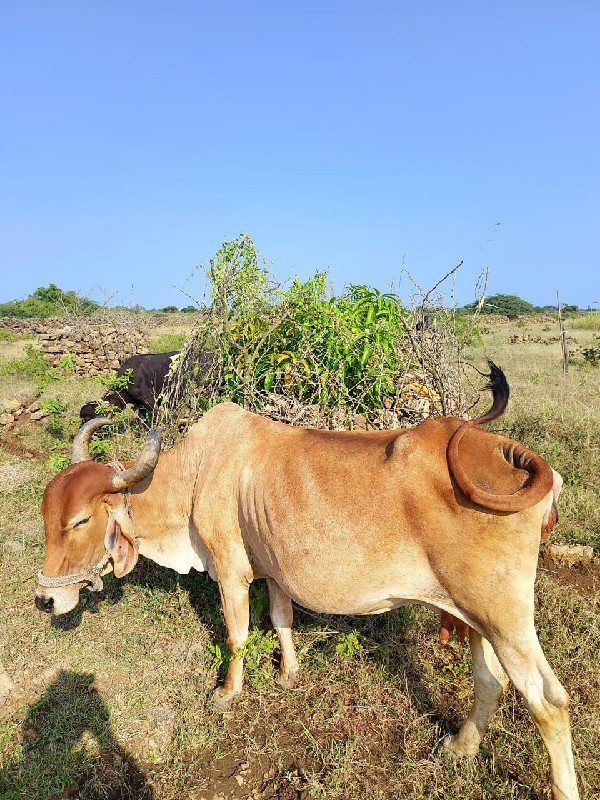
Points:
(80, 451)
(144, 465)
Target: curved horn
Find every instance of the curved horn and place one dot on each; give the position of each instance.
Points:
(146, 462)
(80, 451)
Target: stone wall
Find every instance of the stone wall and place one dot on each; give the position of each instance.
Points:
(98, 344)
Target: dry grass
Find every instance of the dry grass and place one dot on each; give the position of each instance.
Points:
(114, 700)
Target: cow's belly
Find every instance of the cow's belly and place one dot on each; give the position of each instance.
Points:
(345, 581)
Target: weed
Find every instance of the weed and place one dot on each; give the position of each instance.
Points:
(349, 646)
(591, 355)
(67, 363)
(257, 652)
(115, 382)
(100, 449)
(56, 463)
(52, 405)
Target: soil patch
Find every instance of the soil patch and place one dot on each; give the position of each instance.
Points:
(15, 446)
(585, 577)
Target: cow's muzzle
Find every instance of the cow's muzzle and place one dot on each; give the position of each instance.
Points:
(44, 603)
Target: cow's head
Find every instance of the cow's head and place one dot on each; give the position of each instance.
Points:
(88, 528)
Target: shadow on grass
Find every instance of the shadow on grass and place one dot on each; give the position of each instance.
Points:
(390, 637)
(69, 749)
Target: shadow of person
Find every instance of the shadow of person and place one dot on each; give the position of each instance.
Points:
(70, 751)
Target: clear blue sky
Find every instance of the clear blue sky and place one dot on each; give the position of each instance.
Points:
(135, 136)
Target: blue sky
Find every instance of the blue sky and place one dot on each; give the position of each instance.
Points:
(352, 136)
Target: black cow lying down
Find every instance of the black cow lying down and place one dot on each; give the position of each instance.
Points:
(148, 375)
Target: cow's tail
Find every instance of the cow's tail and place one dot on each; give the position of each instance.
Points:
(540, 478)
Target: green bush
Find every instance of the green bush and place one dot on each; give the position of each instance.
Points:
(508, 305)
(49, 301)
(300, 355)
(591, 355)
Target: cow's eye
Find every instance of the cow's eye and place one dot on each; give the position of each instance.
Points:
(81, 522)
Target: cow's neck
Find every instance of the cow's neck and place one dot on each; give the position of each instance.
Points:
(161, 507)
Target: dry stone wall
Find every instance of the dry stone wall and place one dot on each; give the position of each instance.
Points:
(98, 344)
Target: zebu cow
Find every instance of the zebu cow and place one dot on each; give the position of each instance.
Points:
(443, 514)
(147, 375)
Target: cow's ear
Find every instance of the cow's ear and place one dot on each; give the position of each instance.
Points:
(123, 550)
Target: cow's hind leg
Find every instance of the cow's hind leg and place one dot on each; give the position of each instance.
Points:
(489, 681)
(282, 615)
(234, 589)
(526, 665)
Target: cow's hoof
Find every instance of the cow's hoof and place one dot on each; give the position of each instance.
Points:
(457, 748)
(288, 678)
(223, 699)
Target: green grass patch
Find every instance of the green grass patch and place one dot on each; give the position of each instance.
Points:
(167, 342)
(590, 322)
(31, 366)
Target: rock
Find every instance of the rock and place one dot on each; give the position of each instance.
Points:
(570, 554)
(6, 419)
(35, 406)
(11, 405)
(14, 546)
(6, 684)
(37, 415)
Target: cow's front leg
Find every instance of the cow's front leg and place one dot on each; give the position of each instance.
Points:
(234, 589)
(282, 616)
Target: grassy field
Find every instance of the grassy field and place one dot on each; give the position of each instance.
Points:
(114, 699)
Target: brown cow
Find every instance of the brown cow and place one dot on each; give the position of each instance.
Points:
(443, 514)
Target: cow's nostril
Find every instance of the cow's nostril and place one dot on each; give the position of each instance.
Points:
(44, 603)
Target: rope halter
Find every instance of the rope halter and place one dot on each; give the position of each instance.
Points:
(89, 575)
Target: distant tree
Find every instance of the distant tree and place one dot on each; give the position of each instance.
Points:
(189, 309)
(508, 305)
(49, 301)
(170, 309)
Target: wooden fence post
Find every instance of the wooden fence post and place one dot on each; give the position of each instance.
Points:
(563, 337)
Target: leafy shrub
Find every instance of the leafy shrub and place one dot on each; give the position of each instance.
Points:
(591, 355)
(507, 304)
(115, 382)
(100, 449)
(299, 355)
(49, 301)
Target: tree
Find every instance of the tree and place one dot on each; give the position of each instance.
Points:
(509, 305)
(49, 301)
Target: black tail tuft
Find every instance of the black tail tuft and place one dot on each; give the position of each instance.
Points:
(500, 392)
